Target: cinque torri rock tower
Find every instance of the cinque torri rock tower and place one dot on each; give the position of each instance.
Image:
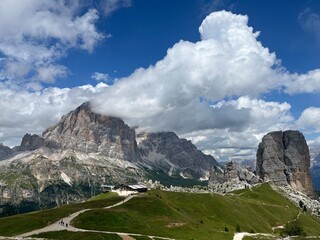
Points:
(284, 159)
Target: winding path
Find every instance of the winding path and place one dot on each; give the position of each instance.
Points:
(57, 226)
(239, 236)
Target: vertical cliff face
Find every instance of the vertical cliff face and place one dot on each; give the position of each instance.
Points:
(177, 156)
(84, 131)
(30, 142)
(283, 157)
(5, 152)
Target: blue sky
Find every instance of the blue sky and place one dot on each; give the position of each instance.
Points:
(142, 33)
(56, 54)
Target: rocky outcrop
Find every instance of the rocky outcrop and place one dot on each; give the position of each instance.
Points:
(175, 155)
(248, 176)
(85, 131)
(216, 176)
(300, 199)
(5, 152)
(283, 158)
(30, 142)
(231, 177)
(231, 171)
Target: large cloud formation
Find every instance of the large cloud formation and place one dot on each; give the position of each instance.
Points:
(35, 34)
(207, 91)
(187, 90)
(309, 120)
(227, 62)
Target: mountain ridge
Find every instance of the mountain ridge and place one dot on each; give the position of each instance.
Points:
(83, 150)
(165, 150)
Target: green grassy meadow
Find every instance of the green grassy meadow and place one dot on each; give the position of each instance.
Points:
(198, 216)
(14, 225)
(176, 215)
(65, 235)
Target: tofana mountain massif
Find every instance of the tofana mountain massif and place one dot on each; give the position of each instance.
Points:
(84, 150)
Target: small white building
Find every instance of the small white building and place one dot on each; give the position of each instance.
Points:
(137, 187)
(107, 188)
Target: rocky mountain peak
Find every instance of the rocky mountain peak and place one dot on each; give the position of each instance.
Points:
(86, 149)
(30, 142)
(83, 130)
(5, 151)
(176, 155)
(283, 157)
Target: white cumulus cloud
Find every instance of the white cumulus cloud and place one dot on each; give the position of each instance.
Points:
(32, 112)
(310, 22)
(207, 91)
(186, 90)
(310, 119)
(34, 34)
(226, 144)
(304, 83)
(100, 76)
(227, 62)
(109, 6)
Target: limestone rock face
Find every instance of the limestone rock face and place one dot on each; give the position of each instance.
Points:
(231, 177)
(217, 176)
(30, 142)
(82, 130)
(248, 176)
(231, 171)
(176, 155)
(283, 157)
(5, 152)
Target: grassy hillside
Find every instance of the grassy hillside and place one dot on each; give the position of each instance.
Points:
(198, 216)
(13, 225)
(103, 196)
(86, 235)
(65, 235)
(168, 214)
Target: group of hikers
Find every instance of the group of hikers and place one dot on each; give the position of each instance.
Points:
(62, 223)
